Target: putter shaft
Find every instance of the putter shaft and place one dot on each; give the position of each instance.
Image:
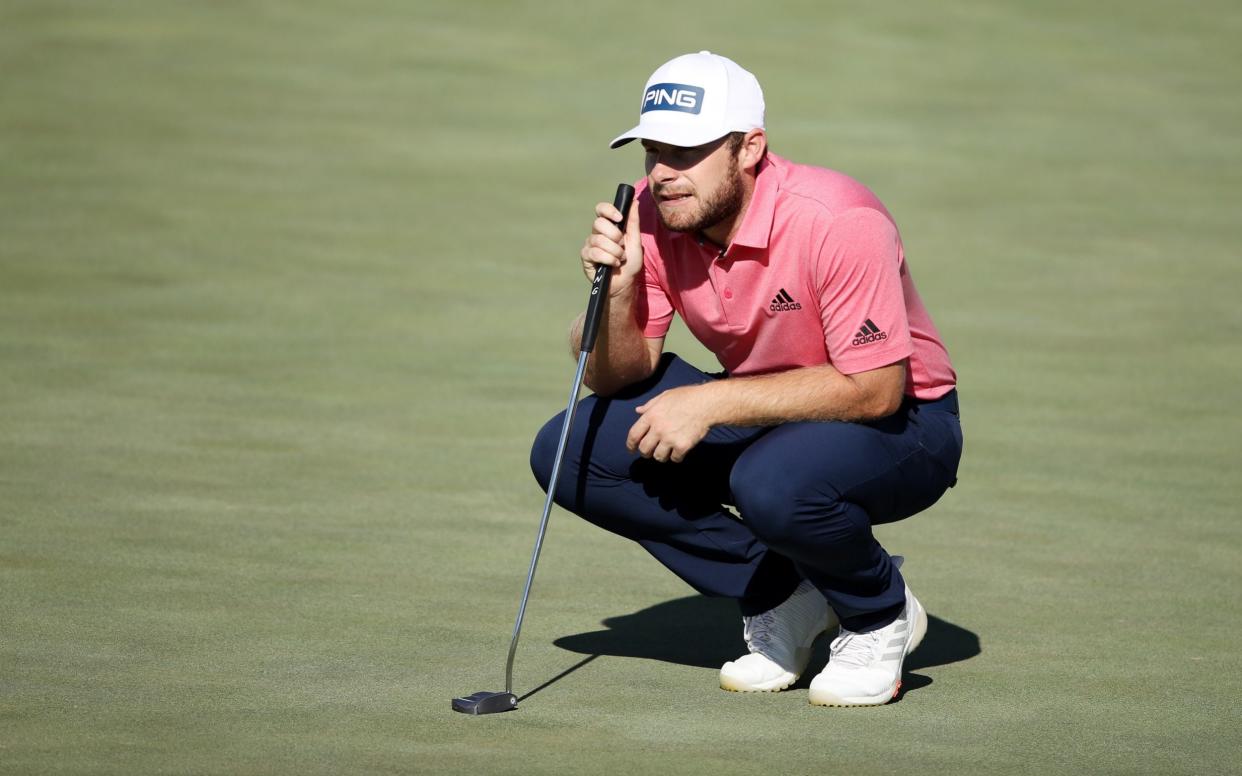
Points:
(490, 702)
(570, 411)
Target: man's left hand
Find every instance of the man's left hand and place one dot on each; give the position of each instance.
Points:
(671, 424)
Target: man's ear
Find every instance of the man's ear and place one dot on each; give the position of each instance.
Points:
(754, 146)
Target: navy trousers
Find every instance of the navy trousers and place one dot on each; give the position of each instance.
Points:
(806, 496)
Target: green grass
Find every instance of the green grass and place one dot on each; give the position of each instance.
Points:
(283, 297)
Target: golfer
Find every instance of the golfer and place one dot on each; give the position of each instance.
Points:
(836, 410)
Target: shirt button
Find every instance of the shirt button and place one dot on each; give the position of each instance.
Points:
(728, 293)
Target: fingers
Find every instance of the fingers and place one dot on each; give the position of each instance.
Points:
(662, 450)
(605, 232)
(652, 446)
(605, 244)
(633, 233)
(609, 211)
(647, 443)
(638, 432)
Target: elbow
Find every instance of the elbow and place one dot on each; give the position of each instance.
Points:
(601, 389)
(602, 382)
(881, 404)
(606, 383)
(888, 405)
(575, 335)
(881, 392)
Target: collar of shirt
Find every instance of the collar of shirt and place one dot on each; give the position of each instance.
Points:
(756, 226)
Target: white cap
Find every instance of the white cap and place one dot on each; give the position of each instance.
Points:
(695, 99)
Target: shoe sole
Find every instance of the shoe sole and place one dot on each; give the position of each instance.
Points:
(733, 684)
(825, 698)
(783, 682)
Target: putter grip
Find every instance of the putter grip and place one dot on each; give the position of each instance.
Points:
(603, 275)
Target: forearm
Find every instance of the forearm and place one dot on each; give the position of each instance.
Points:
(621, 355)
(817, 393)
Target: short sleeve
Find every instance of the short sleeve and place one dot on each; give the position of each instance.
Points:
(655, 309)
(861, 300)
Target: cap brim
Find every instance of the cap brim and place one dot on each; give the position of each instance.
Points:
(676, 136)
(628, 137)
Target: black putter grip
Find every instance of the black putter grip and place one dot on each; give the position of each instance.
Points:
(603, 274)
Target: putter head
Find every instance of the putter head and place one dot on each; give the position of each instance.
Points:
(485, 703)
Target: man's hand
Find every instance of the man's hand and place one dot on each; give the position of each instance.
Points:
(671, 424)
(607, 245)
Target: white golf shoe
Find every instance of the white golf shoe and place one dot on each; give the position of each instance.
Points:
(780, 642)
(864, 669)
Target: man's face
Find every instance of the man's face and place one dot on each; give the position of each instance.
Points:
(694, 188)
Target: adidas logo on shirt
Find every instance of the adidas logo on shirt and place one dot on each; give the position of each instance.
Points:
(783, 301)
(868, 333)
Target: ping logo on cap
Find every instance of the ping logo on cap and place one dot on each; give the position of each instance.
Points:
(679, 97)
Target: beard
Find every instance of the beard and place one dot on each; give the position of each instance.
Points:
(722, 204)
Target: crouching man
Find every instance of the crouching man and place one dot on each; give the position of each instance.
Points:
(836, 410)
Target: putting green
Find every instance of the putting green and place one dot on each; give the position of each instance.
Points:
(283, 298)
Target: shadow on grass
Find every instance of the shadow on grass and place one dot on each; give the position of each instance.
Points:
(706, 632)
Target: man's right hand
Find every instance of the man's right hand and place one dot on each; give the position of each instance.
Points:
(606, 245)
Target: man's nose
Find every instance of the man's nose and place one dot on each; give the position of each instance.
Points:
(661, 171)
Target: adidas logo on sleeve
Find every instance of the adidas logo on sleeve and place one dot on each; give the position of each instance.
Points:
(782, 302)
(868, 334)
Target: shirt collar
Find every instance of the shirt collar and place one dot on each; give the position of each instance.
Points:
(757, 221)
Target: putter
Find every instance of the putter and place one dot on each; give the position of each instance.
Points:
(492, 702)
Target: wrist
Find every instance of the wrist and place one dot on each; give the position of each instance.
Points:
(712, 402)
(622, 289)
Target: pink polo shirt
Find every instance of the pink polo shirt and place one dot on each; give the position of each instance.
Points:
(815, 275)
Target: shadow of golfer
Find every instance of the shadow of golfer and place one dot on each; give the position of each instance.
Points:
(707, 632)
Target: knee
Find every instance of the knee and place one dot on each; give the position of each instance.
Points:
(767, 503)
(543, 451)
(786, 513)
